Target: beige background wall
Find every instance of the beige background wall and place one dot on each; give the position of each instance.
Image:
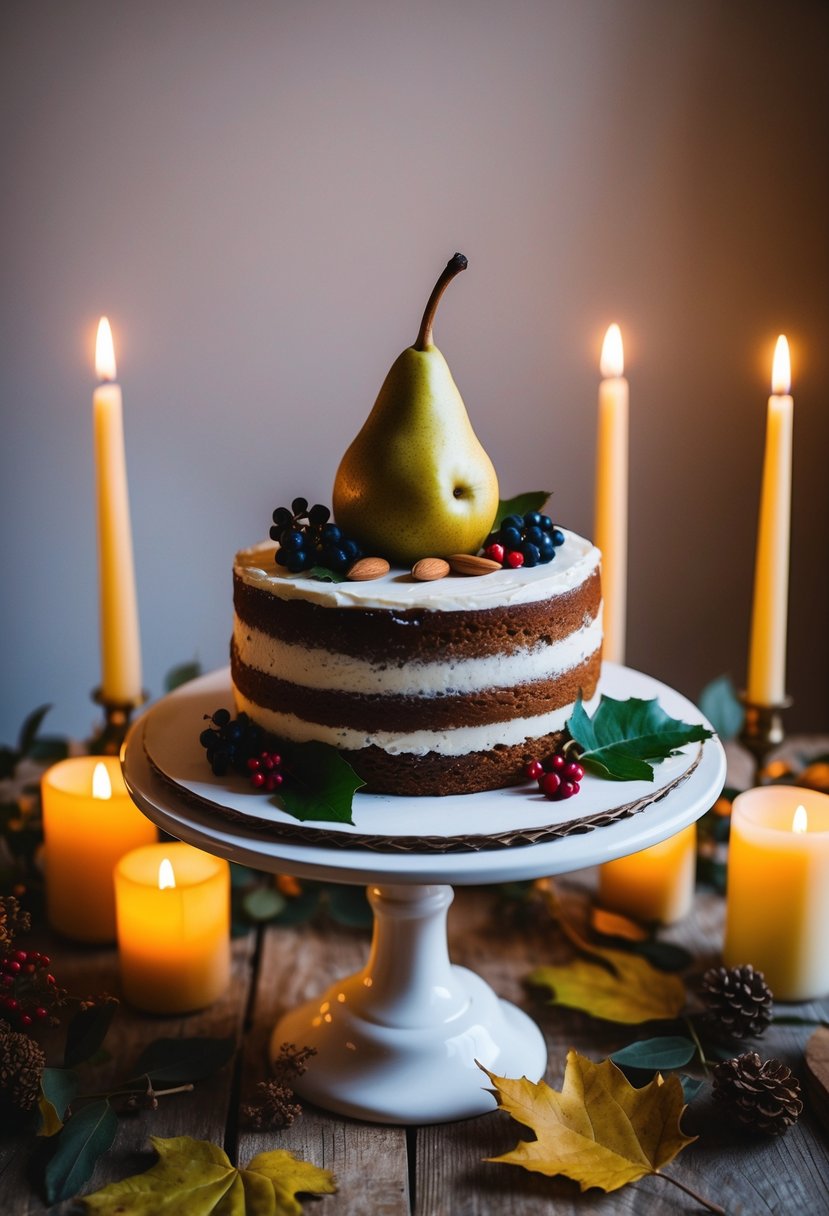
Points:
(261, 195)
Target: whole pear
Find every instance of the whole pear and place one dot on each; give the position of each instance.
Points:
(416, 482)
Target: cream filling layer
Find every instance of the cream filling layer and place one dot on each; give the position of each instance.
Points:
(313, 667)
(458, 742)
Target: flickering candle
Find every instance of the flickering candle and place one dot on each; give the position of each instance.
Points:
(766, 683)
(611, 504)
(173, 910)
(777, 902)
(655, 885)
(89, 822)
(120, 643)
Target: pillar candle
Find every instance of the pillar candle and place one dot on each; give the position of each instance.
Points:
(89, 822)
(120, 643)
(655, 885)
(173, 908)
(777, 900)
(611, 509)
(766, 683)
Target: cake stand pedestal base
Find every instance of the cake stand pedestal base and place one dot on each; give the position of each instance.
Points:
(398, 1041)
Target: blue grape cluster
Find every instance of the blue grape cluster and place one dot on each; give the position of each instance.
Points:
(230, 742)
(307, 538)
(524, 540)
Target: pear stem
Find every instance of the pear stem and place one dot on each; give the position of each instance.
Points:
(454, 266)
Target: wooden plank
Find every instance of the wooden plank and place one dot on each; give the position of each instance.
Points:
(202, 1114)
(786, 1174)
(369, 1161)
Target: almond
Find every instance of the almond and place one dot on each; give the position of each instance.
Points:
(468, 563)
(430, 568)
(367, 568)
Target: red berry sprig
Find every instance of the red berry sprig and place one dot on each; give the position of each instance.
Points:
(558, 776)
(264, 772)
(26, 993)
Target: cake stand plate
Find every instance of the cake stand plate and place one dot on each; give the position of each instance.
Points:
(400, 1041)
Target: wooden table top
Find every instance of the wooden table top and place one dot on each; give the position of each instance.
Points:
(437, 1170)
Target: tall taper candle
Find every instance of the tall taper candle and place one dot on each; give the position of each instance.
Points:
(767, 650)
(120, 643)
(611, 516)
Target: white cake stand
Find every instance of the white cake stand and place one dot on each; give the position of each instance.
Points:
(398, 1042)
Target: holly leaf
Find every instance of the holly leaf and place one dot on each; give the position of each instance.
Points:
(195, 1178)
(533, 500)
(598, 1130)
(323, 575)
(629, 991)
(321, 784)
(624, 739)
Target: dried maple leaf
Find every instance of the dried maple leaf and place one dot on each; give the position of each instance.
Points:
(632, 992)
(196, 1178)
(599, 1130)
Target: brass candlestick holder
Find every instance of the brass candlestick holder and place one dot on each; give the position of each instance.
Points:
(109, 738)
(762, 730)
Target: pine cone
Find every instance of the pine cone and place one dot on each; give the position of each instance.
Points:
(21, 1065)
(764, 1095)
(738, 999)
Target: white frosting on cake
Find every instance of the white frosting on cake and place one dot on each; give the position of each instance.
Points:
(313, 667)
(574, 562)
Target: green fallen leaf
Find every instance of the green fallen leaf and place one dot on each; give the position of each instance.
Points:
(58, 1087)
(656, 1055)
(533, 500)
(321, 785)
(87, 1031)
(262, 904)
(83, 1139)
(624, 739)
(181, 1061)
(196, 1178)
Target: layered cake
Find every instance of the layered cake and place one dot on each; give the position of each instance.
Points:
(426, 688)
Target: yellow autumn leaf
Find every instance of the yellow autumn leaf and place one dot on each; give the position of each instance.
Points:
(632, 992)
(196, 1178)
(598, 1130)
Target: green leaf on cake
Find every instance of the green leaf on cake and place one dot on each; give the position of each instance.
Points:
(323, 575)
(533, 500)
(320, 784)
(625, 739)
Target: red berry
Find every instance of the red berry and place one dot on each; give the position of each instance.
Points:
(25, 1020)
(50, 979)
(11, 1003)
(554, 763)
(14, 967)
(574, 771)
(568, 789)
(41, 1013)
(253, 764)
(20, 955)
(257, 779)
(45, 960)
(514, 558)
(549, 785)
(495, 551)
(30, 968)
(533, 770)
(274, 781)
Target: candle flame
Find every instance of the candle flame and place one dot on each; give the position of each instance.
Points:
(612, 362)
(800, 820)
(101, 784)
(104, 351)
(781, 368)
(166, 877)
